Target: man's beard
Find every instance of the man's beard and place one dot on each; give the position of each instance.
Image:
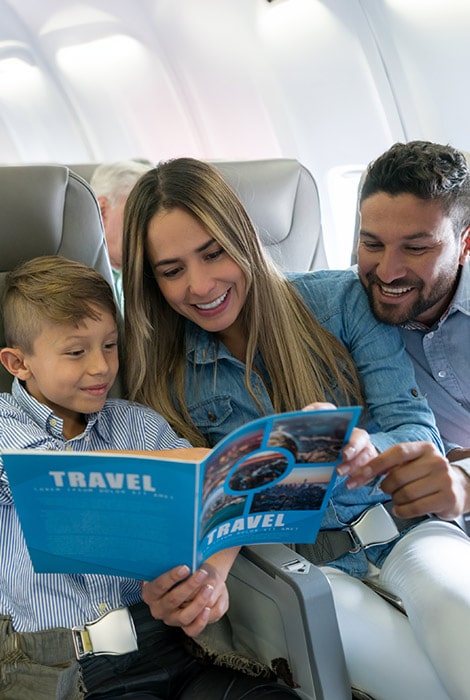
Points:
(398, 314)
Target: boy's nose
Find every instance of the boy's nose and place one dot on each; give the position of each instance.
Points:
(98, 363)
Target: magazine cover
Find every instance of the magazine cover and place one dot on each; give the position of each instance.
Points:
(140, 514)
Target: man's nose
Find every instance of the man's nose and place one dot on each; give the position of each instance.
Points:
(390, 266)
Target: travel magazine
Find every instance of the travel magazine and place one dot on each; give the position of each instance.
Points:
(140, 514)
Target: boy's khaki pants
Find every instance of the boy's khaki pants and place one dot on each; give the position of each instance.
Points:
(38, 665)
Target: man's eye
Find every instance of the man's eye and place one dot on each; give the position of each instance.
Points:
(371, 246)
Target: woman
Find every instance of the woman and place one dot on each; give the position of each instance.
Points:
(216, 336)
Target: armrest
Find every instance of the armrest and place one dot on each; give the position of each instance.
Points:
(281, 608)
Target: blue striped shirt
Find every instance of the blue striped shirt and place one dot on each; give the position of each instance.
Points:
(42, 601)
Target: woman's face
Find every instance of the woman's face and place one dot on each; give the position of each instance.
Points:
(195, 275)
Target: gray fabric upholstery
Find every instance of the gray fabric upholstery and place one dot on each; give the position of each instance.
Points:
(282, 200)
(47, 210)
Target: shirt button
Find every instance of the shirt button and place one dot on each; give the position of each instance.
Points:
(415, 393)
(53, 422)
(442, 374)
(430, 335)
(87, 438)
(102, 607)
(212, 417)
(68, 448)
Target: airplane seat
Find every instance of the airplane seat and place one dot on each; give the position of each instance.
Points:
(282, 606)
(47, 210)
(282, 199)
(84, 170)
(357, 222)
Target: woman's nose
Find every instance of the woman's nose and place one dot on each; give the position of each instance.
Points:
(200, 282)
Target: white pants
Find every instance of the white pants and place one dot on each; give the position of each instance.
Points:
(424, 655)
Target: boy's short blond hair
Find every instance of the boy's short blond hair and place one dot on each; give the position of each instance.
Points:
(55, 289)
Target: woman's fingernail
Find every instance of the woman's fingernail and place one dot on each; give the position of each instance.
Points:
(201, 575)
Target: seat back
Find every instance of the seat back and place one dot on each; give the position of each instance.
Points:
(47, 210)
(281, 197)
(282, 200)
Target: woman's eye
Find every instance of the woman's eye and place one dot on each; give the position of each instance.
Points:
(215, 254)
(171, 273)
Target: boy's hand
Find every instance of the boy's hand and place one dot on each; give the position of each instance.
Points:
(191, 601)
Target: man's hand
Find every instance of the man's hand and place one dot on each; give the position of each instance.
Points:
(191, 602)
(419, 479)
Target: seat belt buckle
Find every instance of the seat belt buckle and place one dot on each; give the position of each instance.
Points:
(114, 633)
(374, 526)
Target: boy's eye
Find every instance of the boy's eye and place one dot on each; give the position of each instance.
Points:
(74, 353)
(111, 345)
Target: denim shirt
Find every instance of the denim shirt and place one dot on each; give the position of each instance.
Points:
(219, 402)
(441, 359)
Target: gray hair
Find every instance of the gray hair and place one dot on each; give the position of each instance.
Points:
(115, 180)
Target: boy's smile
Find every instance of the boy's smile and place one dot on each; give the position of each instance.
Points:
(72, 368)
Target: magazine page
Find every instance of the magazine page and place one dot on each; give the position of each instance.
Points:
(123, 514)
(140, 514)
(270, 481)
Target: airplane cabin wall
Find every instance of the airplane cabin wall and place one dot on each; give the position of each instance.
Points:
(332, 83)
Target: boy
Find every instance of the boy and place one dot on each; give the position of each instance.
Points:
(62, 338)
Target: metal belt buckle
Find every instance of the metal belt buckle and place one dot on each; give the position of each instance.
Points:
(113, 633)
(374, 526)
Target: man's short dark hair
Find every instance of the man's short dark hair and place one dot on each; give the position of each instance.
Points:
(426, 170)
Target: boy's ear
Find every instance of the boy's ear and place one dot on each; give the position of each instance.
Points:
(13, 360)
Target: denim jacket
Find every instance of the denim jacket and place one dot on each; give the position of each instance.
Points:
(219, 402)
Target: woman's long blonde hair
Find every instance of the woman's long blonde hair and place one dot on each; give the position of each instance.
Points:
(302, 358)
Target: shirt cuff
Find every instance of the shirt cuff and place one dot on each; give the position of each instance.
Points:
(464, 465)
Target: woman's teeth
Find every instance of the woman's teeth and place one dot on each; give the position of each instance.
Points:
(213, 304)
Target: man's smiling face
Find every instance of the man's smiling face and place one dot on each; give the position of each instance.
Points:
(408, 257)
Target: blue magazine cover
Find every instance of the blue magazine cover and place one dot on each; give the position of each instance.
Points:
(140, 514)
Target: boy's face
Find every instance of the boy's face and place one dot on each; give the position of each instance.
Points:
(72, 368)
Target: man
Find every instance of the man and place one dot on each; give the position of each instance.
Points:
(111, 183)
(413, 261)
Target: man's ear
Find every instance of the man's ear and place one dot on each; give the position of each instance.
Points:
(465, 245)
(13, 360)
(104, 206)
